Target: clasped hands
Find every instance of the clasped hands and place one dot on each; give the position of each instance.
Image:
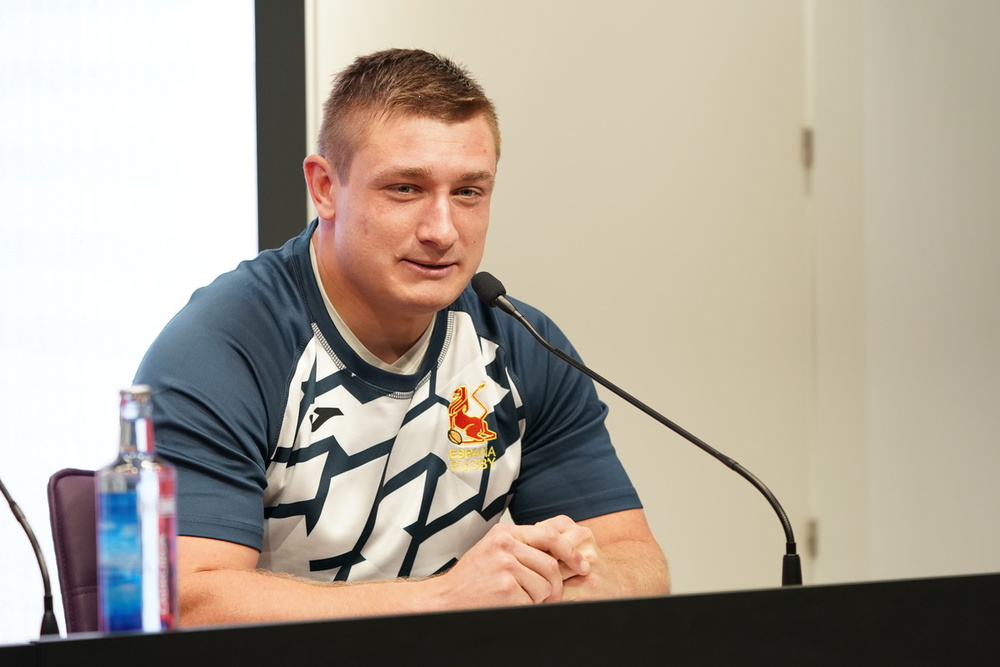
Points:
(551, 561)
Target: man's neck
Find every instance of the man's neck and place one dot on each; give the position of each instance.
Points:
(385, 340)
(386, 345)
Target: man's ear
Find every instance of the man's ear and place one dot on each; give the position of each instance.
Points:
(322, 182)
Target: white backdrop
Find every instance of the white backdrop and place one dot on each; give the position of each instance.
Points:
(127, 179)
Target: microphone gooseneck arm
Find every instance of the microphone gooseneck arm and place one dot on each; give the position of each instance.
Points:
(50, 626)
(492, 292)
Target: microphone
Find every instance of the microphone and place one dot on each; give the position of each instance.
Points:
(50, 626)
(491, 291)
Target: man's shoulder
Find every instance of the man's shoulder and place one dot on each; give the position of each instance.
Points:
(271, 284)
(272, 273)
(258, 306)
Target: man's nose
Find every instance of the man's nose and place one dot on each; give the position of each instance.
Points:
(437, 224)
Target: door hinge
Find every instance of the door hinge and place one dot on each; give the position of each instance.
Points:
(808, 148)
(812, 539)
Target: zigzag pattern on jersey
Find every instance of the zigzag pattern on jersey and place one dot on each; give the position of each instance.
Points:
(338, 461)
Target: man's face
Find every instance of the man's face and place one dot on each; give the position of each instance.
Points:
(409, 225)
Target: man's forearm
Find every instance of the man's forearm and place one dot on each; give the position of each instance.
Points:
(640, 567)
(255, 596)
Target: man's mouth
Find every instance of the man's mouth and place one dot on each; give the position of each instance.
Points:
(428, 265)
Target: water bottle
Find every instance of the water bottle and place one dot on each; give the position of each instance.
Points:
(136, 528)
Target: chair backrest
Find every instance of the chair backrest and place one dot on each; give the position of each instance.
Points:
(73, 514)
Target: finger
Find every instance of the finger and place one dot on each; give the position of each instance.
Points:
(553, 537)
(538, 572)
(539, 588)
(582, 538)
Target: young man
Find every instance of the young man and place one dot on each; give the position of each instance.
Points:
(349, 422)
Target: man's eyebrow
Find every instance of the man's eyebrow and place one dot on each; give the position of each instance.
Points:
(478, 176)
(423, 172)
(403, 172)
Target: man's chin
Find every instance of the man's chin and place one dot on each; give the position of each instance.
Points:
(430, 298)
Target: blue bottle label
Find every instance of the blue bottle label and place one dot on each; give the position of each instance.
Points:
(120, 555)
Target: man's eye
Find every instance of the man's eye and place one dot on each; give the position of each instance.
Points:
(467, 192)
(404, 189)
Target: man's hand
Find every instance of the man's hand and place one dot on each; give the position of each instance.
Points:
(559, 560)
(515, 565)
(601, 582)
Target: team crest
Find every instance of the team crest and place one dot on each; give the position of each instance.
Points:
(467, 428)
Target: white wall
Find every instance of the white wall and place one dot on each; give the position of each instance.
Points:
(907, 215)
(127, 179)
(932, 223)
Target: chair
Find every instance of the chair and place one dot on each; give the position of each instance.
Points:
(72, 514)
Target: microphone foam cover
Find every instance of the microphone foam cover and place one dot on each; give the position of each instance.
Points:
(488, 288)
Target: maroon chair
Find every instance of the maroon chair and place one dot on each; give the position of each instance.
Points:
(73, 514)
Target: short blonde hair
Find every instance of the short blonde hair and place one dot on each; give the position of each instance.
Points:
(397, 81)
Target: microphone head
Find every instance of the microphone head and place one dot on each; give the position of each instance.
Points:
(488, 288)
